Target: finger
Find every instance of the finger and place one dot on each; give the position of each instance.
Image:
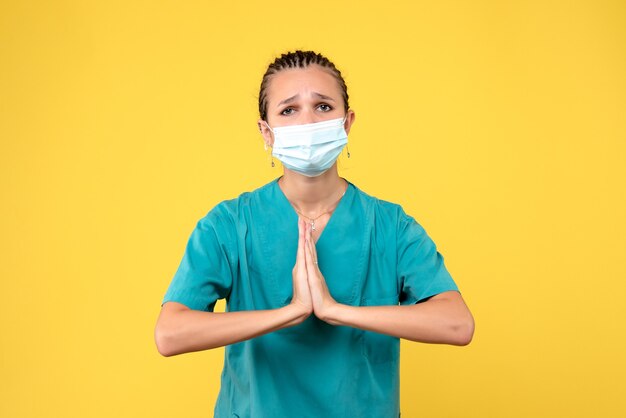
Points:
(300, 254)
(311, 247)
(307, 234)
(306, 239)
(311, 261)
(309, 258)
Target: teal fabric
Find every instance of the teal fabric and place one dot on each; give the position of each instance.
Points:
(371, 253)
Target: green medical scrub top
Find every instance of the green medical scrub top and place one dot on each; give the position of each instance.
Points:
(370, 253)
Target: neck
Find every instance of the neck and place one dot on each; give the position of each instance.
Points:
(312, 195)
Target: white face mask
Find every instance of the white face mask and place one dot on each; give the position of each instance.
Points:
(312, 148)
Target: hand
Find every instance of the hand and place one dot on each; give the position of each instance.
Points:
(301, 293)
(321, 298)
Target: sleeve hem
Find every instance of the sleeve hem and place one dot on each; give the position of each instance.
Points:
(190, 302)
(411, 300)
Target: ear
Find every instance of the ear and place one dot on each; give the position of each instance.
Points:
(349, 120)
(268, 137)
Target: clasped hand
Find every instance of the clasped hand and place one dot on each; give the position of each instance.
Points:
(309, 286)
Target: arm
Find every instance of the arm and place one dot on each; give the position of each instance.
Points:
(181, 330)
(443, 319)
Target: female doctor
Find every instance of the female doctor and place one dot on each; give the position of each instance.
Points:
(321, 279)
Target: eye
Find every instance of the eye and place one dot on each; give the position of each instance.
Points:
(325, 108)
(287, 111)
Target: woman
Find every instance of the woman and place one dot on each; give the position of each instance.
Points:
(321, 279)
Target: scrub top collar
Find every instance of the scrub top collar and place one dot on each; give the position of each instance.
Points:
(285, 206)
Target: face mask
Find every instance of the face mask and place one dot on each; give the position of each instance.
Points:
(312, 148)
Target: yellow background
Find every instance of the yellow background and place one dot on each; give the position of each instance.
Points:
(501, 126)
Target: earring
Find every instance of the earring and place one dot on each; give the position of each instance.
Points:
(348, 150)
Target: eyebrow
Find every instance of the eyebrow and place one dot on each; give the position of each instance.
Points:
(292, 98)
(288, 100)
(321, 96)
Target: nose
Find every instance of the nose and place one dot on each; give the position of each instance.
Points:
(308, 116)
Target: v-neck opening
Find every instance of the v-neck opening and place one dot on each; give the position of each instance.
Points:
(340, 205)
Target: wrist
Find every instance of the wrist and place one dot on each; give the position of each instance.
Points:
(297, 312)
(333, 313)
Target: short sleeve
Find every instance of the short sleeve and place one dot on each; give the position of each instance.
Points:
(204, 274)
(421, 270)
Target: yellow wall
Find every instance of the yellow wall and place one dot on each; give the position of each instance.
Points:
(501, 126)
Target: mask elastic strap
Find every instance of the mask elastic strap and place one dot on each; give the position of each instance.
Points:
(268, 126)
(344, 127)
(265, 143)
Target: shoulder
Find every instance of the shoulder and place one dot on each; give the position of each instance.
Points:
(382, 210)
(228, 212)
(388, 217)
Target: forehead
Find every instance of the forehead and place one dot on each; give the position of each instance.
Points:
(292, 81)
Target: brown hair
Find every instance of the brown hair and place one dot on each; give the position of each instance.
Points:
(299, 59)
